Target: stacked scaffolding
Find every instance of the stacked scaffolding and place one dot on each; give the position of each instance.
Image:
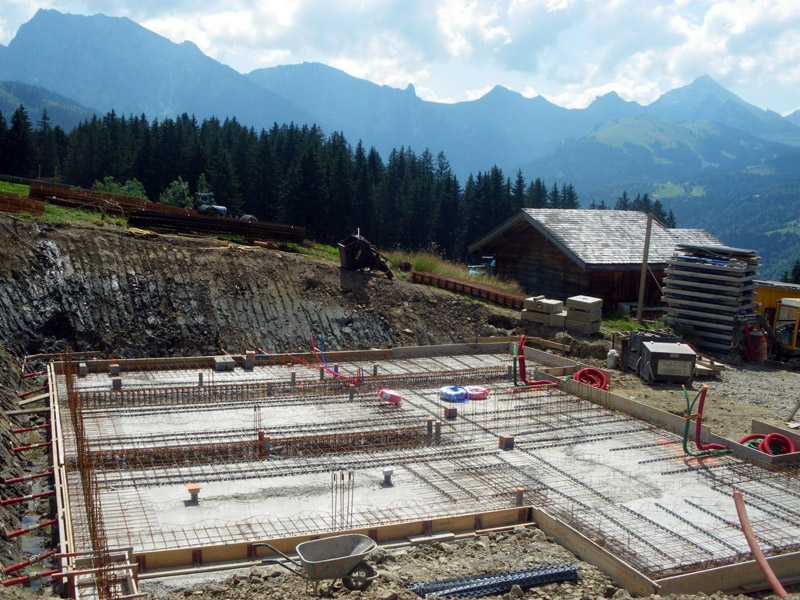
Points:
(707, 288)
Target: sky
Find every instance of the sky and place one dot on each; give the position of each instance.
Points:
(569, 51)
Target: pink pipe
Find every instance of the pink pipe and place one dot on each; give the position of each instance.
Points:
(751, 540)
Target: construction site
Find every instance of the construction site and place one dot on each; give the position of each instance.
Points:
(174, 464)
(157, 448)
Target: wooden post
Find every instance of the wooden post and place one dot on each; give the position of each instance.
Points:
(643, 276)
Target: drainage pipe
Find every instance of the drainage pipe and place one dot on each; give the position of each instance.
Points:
(31, 446)
(28, 578)
(25, 478)
(8, 501)
(25, 563)
(751, 540)
(12, 534)
(26, 394)
(32, 428)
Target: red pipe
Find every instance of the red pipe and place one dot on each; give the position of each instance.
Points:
(28, 497)
(778, 439)
(25, 478)
(12, 534)
(521, 363)
(32, 428)
(700, 446)
(591, 376)
(32, 446)
(26, 394)
(751, 540)
(34, 374)
(31, 561)
(29, 578)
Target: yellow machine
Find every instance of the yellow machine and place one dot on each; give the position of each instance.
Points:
(780, 304)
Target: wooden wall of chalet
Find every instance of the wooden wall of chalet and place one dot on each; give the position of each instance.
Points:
(525, 255)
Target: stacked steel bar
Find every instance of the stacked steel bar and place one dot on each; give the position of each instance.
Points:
(151, 219)
(115, 204)
(706, 288)
(470, 288)
(20, 204)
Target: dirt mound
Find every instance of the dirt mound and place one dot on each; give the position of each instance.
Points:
(103, 288)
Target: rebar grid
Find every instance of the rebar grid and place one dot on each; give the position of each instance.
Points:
(202, 454)
(587, 465)
(225, 393)
(89, 486)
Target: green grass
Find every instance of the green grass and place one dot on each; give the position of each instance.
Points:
(59, 215)
(628, 323)
(314, 249)
(668, 190)
(14, 188)
(431, 263)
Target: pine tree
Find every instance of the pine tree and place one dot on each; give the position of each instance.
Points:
(554, 197)
(623, 202)
(795, 274)
(20, 145)
(518, 192)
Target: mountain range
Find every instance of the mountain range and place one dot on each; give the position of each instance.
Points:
(682, 148)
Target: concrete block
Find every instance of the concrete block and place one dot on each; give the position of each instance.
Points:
(224, 363)
(585, 316)
(530, 303)
(536, 317)
(113, 370)
(584, 302)
(547, 305)
(450, 412)
(557, 319)
(249, 360)
(83, 369)
(581, 327)
(116, 383)
(506, 442)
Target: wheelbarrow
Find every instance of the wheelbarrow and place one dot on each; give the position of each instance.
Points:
(338, 556)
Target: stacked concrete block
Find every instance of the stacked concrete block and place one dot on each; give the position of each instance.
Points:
(584, 314)
(544, 311)
(224, 363)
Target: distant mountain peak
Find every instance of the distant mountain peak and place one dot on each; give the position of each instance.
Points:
(411, 90)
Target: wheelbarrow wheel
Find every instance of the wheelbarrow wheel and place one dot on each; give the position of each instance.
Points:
(359, 578)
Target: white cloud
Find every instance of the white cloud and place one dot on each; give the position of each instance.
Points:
(567, 50)
(478, 93)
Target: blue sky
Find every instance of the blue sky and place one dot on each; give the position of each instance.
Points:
(569, 51)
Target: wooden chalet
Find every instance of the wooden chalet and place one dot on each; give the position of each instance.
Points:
(566, 252)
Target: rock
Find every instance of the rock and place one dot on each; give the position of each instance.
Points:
(516, 591)
(388, 596)
(518, 529)
(621, 595)
(610, 591)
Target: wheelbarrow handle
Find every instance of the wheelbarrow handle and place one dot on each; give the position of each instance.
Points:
(275, 560)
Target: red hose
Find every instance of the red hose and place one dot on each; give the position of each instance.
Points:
(700, 446)
(751, 540)
(767, 441)
(593, 377)
(779, 440)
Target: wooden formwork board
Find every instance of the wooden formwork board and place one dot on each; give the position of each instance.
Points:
(731, 579)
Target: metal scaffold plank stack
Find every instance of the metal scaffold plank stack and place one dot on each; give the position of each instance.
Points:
(706, 287)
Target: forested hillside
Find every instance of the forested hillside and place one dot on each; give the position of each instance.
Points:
(289, 173)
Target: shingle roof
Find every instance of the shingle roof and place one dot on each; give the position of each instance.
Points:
(603, 238)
